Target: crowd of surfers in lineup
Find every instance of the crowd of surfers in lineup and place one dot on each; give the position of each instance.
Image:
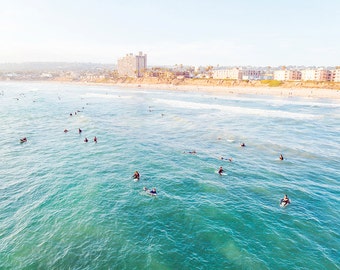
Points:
(136, 176)
(24, 139)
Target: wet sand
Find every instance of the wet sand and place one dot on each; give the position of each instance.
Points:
(222, 90)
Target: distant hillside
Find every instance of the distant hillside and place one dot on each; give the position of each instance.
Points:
(52, 66)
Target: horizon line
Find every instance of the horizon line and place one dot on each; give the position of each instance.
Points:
(184, 65)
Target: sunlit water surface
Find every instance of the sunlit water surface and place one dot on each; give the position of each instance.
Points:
(67, 204)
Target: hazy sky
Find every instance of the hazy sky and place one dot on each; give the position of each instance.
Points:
(189, 32)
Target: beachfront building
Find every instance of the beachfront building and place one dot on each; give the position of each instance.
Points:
(182, 72)
(237, 74)
(232, 74)
(252, 74)
(319, 75)
(308, 75)
(335, 75)
(267, 76)
(132, 65)
(158, 72)
(287, 75)
(202, 72)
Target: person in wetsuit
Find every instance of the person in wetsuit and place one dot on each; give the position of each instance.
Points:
(136, 175)
(153, 191)
(285, 200)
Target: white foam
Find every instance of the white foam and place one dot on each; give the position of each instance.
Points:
(281, 101)
(105, 96)
(236, 109)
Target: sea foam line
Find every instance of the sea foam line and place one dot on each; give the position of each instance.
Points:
(236, 109)
(106, 96)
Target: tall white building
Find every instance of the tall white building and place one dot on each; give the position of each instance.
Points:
(132, 65)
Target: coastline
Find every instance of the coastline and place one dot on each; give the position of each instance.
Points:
(241, 90)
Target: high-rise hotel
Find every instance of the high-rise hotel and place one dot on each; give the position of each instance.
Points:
(132, 65)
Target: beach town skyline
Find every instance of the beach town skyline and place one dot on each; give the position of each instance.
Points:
(194, 33)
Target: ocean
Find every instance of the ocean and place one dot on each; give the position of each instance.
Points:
(67, 204)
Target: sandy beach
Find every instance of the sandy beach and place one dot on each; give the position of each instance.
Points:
(222, 90)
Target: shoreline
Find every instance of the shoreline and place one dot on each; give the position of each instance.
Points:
(241, 90)
(216, 90)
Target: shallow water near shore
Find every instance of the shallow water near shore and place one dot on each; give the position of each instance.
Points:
(66, 204)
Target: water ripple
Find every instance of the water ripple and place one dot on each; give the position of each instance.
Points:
(70, 204)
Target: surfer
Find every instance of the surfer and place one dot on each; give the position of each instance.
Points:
(79, 130)
(152, 192)
(136, 175)
(229, 159)
(281, 157)
(243, 145)
(23, 140)
(65, 130)
(86, 140)
(220, 171)
(285, 201)
(95, 139)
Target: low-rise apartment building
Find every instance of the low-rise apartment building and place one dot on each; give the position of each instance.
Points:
(319, 74)
(252, 74)
(336, 75)
(287, 75)
(233, 74)
(238, 74)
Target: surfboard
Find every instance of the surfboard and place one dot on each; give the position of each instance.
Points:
(147, 192)
(224, 173)
(283, 205)
(136, 179)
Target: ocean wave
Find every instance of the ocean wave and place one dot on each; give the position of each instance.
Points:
(107, 96)
(236, 110)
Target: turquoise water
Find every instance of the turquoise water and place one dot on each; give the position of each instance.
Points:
(66, 204)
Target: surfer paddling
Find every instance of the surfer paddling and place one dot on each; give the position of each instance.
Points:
(151, 192)
(136, 176)
(285, 201)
